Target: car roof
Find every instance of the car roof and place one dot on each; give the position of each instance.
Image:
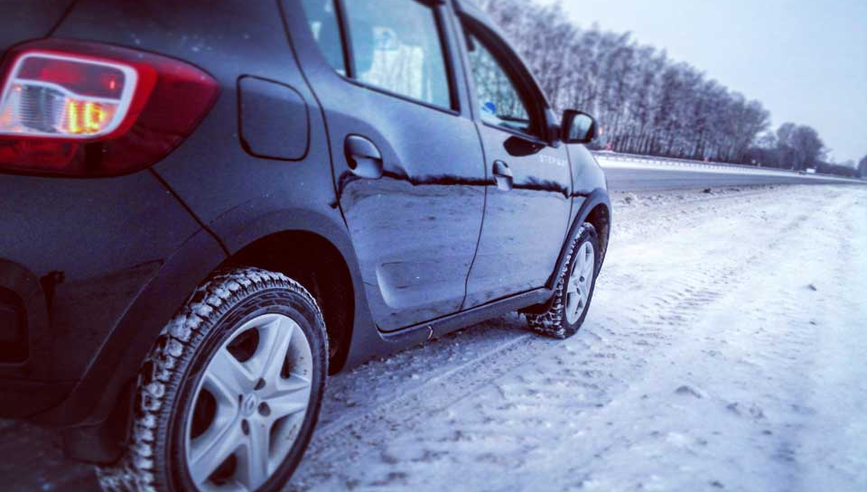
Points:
(472, 9)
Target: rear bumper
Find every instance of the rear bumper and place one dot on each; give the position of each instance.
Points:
(76, 256)
(114, 366)
(26, 387)
(54, 330)
(23, 399)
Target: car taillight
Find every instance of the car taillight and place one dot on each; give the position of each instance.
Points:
(86, 109)
(50, 95)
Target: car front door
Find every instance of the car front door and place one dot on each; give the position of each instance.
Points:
(406, 156)
(529, 196)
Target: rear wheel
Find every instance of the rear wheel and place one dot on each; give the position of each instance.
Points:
(230, 393)
(574, 290)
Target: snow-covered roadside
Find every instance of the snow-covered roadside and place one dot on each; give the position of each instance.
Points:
(766, 389)
(708, 362)
(724, 350)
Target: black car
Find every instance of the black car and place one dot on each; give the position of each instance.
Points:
(208, 207)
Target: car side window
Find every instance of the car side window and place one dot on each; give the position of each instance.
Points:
(322, 17)
(500, 101)
(396, 46)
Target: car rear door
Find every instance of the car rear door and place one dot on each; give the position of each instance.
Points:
(406, 156)
(529, 199)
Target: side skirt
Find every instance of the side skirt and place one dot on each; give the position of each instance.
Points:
(447, 324)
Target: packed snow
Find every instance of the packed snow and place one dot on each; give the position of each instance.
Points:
(724, 350)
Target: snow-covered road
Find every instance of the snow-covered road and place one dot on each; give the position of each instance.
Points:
(724, 350)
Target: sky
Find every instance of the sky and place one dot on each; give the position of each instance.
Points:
(805, 60)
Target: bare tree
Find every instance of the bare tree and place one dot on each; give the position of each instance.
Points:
(799, 146)
(645, 102)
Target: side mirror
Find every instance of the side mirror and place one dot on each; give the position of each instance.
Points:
(577, 127)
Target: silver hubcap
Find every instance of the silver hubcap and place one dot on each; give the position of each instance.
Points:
(249, 405)
(579, 283)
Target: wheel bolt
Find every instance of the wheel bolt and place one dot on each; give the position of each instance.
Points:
(259, 384)
(245, 427)
(264, 410)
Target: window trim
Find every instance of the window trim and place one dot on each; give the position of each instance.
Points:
(517, 133)
(526, 87)
(436, 7)
(345, 40)
(397, 95)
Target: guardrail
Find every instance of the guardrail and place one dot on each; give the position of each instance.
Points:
(629, 172)
(687, 162)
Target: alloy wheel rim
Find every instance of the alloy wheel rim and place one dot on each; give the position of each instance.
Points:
(580, 281)
(249, 405)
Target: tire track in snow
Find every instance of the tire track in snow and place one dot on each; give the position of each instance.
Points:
(674, 308)
(593, 369)
(750, 350)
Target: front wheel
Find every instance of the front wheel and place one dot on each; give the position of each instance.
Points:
(574, 289)
(230, 393)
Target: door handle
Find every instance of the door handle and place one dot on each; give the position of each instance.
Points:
(503, 175)
(363, 157)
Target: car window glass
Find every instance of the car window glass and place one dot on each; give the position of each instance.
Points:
(322, 17)
(499, 100)
(396, 46)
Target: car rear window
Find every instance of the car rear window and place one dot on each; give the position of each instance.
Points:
(322, 17)
(395, 45)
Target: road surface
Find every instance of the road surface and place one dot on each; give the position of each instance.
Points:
(634, 173)
(724, 350)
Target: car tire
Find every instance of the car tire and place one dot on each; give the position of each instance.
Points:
(190, 431)
(574, 290)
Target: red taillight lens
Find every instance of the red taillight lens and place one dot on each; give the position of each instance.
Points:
(53, 95)
(86, 109)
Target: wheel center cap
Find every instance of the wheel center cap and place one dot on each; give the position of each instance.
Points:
(249, 405)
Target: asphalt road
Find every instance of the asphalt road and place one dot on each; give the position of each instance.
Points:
(626, 173)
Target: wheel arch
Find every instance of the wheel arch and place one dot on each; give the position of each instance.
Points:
(311, 246)
(596, 209)
(600, 217)
(289, 241)
(318, 265)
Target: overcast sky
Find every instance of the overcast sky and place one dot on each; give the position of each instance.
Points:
(805, 60)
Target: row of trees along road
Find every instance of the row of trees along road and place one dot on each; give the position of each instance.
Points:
(647, 103)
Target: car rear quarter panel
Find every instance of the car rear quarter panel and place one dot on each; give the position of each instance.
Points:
(240, 195)
(92, 245)
(224, 185)
(27, 19)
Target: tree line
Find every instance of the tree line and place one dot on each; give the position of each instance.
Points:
(647, 103)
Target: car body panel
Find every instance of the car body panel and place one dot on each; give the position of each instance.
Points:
(102, 264)
(525, 225)
(113, 368)
(431, 192)
(29, 19)
(527, 212)
(96, 245)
